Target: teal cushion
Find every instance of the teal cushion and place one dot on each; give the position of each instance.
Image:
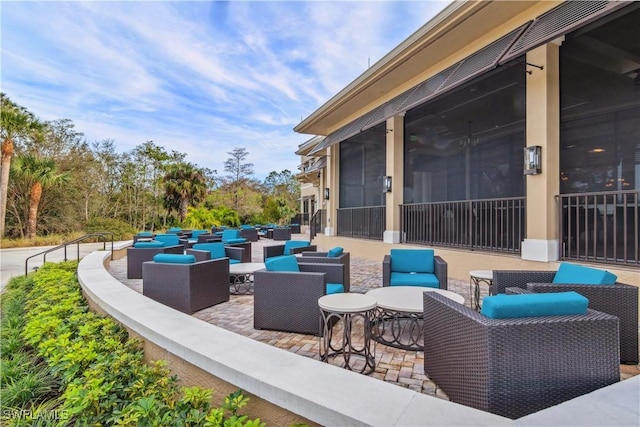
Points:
(168, 239)
(335, 252)
(504, 306)
(578, 274)
(174, 230)
(412, 260)
(174, 258)
(234, 261)
(414, 279)
(282, 263)
(150, 244)
(234, 241)
(216, 249)
(290, 244)
(231, 234)
(196, 233)
(145, 234)
(335, 288)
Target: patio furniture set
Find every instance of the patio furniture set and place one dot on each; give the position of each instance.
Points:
(537, 340)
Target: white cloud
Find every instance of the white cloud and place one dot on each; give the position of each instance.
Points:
(197, 77)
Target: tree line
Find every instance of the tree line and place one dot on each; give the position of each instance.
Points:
(53, 181)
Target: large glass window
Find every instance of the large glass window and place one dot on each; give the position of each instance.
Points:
(600, 105)
(468, 143)
(362, 168)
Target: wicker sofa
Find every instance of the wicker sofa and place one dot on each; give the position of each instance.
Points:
(288, 301)
(514, 367)
(187, 287)
(619, 300)
(137, 255)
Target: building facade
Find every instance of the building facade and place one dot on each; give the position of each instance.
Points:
(499, 127)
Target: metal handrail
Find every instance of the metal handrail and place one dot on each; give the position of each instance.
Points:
(77, 241)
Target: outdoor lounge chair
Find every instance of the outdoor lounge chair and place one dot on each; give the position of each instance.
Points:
(249, 233)
(618, 299)
(145, 251)
(516, 366)
(290, 247)
(287, 300)
(282, 233)
(180, 282)
(333, 256)
(414, 267)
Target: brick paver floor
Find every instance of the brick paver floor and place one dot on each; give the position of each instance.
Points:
(401, 367)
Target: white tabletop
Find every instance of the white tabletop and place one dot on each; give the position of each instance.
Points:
(346, 303)
(482, 274)
(245, 267)
(407, 298)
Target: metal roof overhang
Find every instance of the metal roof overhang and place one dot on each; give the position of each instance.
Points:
(461, 22)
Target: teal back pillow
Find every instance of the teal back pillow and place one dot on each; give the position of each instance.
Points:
(335, 252)
(579, 274)
(412, 260)
(150, 244)
(216, 249)
(282, 263)
(290, 244)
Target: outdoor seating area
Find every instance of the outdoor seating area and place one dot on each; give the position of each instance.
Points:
(280, 307)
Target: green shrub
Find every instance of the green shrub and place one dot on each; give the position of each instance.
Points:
(70, 366)
(120, 229)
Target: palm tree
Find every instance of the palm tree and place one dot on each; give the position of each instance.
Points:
(15, 122)
(38, 174)
(185, 185)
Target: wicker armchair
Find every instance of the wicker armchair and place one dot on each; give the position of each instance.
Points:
(322, 258)
(281, 234)
(251, 234)
(136, 256)
(514, 367)
(619, 300)
(439, 268)
(295, 247)
(203, 252)
(187, 287)
(288, 301)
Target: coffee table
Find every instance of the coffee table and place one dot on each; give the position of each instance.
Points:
(398, 318)
(348, 308)
(241, 275)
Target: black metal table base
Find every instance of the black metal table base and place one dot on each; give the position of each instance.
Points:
(241, 284)
(341, 346)
(398, 329)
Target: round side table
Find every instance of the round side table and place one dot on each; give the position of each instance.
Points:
(477, 277)
(356, 312)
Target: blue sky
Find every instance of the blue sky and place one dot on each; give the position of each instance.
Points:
(198, 77)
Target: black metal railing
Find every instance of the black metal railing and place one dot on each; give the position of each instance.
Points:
(600, 227)
(317, 223)
(101, 235)
(364, 222)
(496, 225)
(301, 218)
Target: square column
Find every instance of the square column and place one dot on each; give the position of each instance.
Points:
(394, 169)
(543, 129)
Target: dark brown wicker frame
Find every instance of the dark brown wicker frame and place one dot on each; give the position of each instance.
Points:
(277, 250)
(136, 256)
(251, 234)
(187, 287)
(288, 301)
(514, 367)
(439, 266)
(246, 255)
(322, 258)
(619, 300)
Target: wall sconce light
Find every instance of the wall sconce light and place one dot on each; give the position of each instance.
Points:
(387, 184)
(532, 160)
(326, 194)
